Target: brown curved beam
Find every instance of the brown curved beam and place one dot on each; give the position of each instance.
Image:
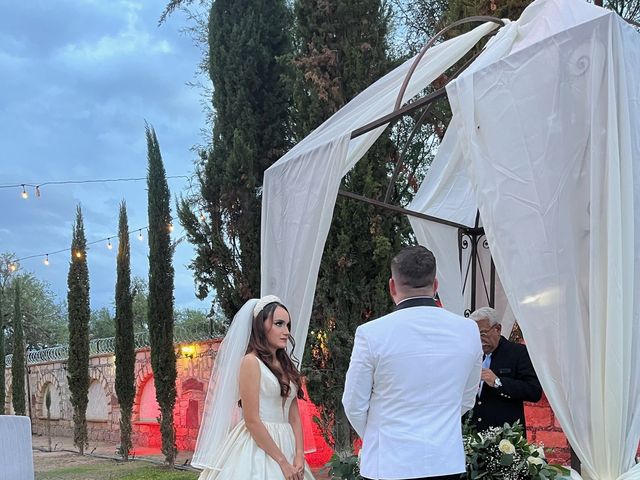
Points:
(430, 43)
(399, 163)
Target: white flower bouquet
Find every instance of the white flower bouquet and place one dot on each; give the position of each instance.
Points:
(503, 453)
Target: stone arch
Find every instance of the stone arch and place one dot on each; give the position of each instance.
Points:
(142, 376)
(48, 381)
(96, 374)
(146, 408)
(98, 408)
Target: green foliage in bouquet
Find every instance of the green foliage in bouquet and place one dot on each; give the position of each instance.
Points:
(344, 467)
(503, 453)
(499, 453)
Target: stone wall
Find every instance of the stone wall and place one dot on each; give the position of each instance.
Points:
(194, 369)
(543, 428)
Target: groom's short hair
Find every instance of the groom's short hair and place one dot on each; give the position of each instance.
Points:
(414, 267)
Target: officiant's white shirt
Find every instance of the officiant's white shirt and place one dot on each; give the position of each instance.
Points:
(413, 374)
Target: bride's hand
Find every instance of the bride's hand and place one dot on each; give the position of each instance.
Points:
(288, 471)
(298, 465)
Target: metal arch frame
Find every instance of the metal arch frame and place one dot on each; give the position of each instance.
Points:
(467, 236)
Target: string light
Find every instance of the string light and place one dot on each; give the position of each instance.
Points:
(202, 217)
(78, 253)
(46, 260)
(37, 186)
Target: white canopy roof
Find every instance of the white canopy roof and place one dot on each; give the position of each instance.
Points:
(545, 144)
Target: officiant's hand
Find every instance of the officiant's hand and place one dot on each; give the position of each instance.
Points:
(488, 377)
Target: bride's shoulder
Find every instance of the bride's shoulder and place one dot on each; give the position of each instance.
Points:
(250, 360)
(250, 365)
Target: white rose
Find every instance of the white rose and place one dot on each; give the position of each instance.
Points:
(505, 446)
(535, 461)
(540, 451)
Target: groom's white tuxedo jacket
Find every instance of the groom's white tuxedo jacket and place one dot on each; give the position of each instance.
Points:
(413, 374)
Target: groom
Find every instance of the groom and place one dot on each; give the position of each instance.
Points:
(413, 373)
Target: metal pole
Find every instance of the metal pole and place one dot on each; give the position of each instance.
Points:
(404, 211)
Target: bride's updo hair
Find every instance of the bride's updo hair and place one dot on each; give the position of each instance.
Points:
(259, 345)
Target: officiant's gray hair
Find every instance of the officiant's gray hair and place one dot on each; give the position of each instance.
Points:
(486, 313)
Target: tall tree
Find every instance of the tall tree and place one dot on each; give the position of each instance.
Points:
(19, 363)
(342, 49)
(140, 292)
(101, 324)
(124, 343)
(7, 265)
(44, 317)
(3, 393)
(79, 314)
(163, 358)
(251, 131)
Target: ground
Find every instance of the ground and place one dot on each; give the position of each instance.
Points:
(64, 463)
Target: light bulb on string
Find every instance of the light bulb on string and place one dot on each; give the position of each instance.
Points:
(109, 245)
(140, 237)
(46, 259)
(25, 195)
(202, 217)
(12, 267)
(38, 191)
(170, 227)
(78, 254)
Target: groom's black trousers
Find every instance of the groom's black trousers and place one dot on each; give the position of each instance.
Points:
(455, 476)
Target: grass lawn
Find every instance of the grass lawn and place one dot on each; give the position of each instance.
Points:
(112, 470)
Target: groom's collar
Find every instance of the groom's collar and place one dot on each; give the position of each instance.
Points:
(416, 302)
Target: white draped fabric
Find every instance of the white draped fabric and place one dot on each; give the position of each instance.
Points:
(301, 188)
(545, 144)
(552, 142)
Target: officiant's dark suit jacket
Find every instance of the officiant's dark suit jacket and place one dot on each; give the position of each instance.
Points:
(495, 406)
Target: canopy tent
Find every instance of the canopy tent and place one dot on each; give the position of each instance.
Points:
(545, 144)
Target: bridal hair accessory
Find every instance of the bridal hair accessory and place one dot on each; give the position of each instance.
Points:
(263, 302)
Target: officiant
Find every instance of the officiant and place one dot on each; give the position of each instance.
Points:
(508, 378)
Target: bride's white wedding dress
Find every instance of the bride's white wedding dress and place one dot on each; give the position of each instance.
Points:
(241, 458)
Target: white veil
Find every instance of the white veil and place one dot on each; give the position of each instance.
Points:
(221, 410)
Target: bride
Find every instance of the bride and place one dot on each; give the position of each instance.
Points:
(251, 426)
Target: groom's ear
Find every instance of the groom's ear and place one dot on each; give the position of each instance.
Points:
(392, 288)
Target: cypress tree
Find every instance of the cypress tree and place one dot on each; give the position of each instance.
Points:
(79, 314)
(6, 260)
(2, 360)
(124, 342)
(251, 131)
(18, 365)
(342, 49)
(163, 358)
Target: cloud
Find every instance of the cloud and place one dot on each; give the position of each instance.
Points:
(80, 78)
